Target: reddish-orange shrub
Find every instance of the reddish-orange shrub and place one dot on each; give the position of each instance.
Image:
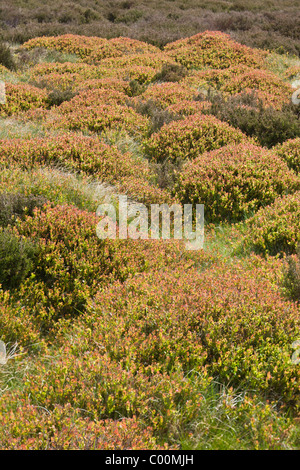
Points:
(133, 46)
(21, 97)
(168, 93)
(63, 75)
(108, 83)
(237, 79)
(71, 262)
(188, 138)
(16, 325)
(89, 98)
(275, 229)
(234, 181)
(213, 49)
(100, 110)
(293, 72)
(87, 155)
(29, 427)
(83, 46)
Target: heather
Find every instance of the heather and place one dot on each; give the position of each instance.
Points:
(130, 344)
(272, 26)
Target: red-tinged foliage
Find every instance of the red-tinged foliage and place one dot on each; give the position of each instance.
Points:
(30, 427)
(227, 320)
(133, 344)
(266, 99)
(140, 67)
(81, 45)
(81, 153)
(188, 138)
(99, 111)
(16, 325)
(107, 390)
(116, 84)
(166, 94)
(89, 156)
(213, 49)
(214, 77)
(156, 340)
(71, 263)
(237, 79)
(86, 71)
(3, 69)
(233, 182)
(259, 80)
(133, 46)
(275, 229)
(293, 72)
(123, 55)
(102, 118)
(187, 108)
(21, 97)
(289, 151)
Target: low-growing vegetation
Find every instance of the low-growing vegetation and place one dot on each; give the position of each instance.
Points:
(130, 344)
(235, 181)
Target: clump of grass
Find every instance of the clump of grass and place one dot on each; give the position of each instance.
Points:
(25, 59)
(17, 205)
(11, 128)
(53, 184)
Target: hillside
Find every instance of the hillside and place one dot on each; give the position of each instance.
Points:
(141, 343)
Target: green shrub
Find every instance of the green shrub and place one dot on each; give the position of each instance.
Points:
(248, 113)
(188, 138)
(171, 73)
(291, 276)
(6, 57)
(72, 262)
(57, 97)
(16, 258)
(275, 229)
(289, 151)
(158, 116)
